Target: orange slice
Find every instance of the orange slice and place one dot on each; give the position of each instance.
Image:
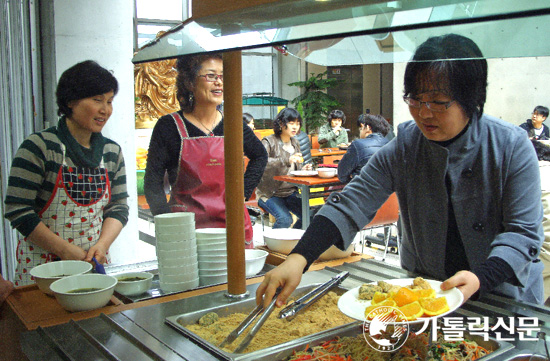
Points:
(378, 297)
(434, 306)
(412, 310)
(405, 296)
(423, 293)
(385, 303)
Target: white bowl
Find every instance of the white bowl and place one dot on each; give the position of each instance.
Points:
(179, 269)
(211, 241)
(204, 257)
(188, 246)
(134, 283)
(175, 218)
(254, 261)
(212, 265)
(178, 278)
(212, 272)
(184, 231)
(176, 262)
(101, 289)
(211, 233)
(212, 280)
(176, 236)
(163, 255)
(218, 247)
(47, 273)
(179, 286)
(326, 172)
(283, 240)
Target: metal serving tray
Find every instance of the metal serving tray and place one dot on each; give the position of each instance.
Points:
(268, 354)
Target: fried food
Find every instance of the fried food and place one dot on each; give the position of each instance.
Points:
(367, 290)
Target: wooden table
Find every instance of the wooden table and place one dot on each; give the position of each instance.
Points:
(305, 184)
(327, 151)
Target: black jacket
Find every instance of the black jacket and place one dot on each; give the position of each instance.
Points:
(358, 154)
(528, 126)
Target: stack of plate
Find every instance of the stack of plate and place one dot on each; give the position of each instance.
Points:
(177, 251)
(212, 255)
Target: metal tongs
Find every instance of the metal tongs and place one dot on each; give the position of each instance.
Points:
(247, 322)
(309, 298)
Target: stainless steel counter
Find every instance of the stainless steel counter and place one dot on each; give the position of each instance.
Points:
(143, 334)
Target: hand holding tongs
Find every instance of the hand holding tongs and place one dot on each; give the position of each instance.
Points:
(247, 322)
(302, 303)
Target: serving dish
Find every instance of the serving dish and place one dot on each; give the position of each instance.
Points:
(45, 274)
(326, 172)
(133, 283)
(352, 306)
(84, 292)
(283, 240)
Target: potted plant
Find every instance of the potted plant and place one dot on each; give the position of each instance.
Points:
(314, 104)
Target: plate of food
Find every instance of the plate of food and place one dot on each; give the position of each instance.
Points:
(417, 298)
(303, 173)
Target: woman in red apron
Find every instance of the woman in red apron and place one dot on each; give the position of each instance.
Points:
(75, 178)
(189, 147)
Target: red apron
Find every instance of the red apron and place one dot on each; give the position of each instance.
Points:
(200, 183)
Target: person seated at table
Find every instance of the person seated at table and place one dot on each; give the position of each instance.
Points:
(534, 127)
(249, 120)
(332, 134)
(372, 133)
(280, 199)
(468, 186)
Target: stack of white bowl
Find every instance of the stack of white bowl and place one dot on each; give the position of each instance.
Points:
(212, 255)
(177, 251)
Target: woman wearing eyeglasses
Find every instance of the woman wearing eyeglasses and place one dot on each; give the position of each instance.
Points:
(188, 146)
(468, 186)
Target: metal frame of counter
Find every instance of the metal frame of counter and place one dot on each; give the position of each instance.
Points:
(139, 331)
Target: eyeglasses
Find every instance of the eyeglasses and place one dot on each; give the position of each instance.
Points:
(433, 106)
(212, 77)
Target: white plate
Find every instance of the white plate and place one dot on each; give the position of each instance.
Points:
(353, 307)
(303, 173)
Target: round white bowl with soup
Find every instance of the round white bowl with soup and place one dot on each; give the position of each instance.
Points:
(283, 240)
(45, 274)
(84, 292)
(134, 283)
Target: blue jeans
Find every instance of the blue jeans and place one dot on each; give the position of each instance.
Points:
(280, 208)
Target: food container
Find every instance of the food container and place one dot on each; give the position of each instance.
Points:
(187, 245)
(176, 218)
(254, 261)
(326, 172)
(178, 277)
(283, 240)
(47, 273)
(84, 292)
(177, 262)
(211, 233)
(134, 283)
(164, 255)
(221, 265)
(206, 280)
(175, 232)
(181, 268)
(179, 286)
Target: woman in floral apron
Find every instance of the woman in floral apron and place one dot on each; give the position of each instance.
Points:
(67, 187)
(189, 147)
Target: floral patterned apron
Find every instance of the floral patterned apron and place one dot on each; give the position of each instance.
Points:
(74, 212)
(200, 183)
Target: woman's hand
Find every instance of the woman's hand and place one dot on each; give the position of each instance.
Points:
(97, 251)
(465, 281)
(287, 275)
(296, 158)
(72, 252)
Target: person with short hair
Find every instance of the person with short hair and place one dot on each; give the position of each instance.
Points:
(278, 198)
(372, 136)
(468, 186)
(67, 186)
(332, 134)
(249, 120)
(535, 127)
(188, 146)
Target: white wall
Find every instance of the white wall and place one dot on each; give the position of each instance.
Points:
(102, 30)
(516, 86)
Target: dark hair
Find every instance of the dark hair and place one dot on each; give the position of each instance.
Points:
(542, 110)
(336, 114)
(377, 123)
(83, 80)
(247, 117)
(286, 115)
(435, 63)
(188, 68)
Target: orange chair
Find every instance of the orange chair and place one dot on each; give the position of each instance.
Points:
(315, 142)
(386, 217)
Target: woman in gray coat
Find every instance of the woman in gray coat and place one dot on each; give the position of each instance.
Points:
(468, 186)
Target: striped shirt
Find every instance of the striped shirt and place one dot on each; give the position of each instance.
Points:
(35, 167)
